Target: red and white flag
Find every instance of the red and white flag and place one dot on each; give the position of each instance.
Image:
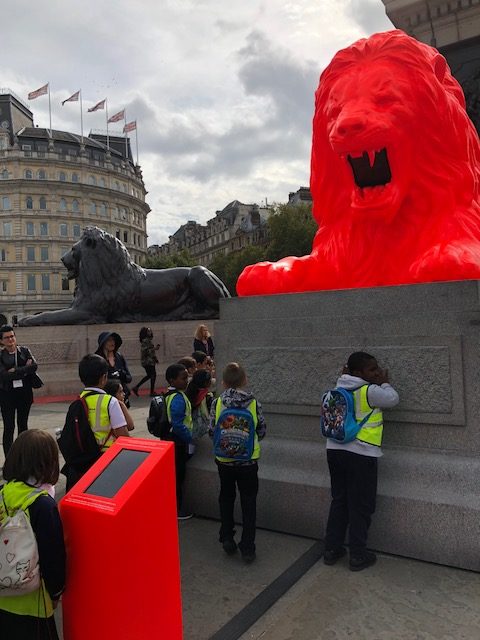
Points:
(39, 92)
(130, 126)
(118, 116)
(73, 98)
(99, 105)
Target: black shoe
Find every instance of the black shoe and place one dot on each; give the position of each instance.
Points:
(229, 546)
(331, 556)
(248, 556)
(357, 563)
(135, 391)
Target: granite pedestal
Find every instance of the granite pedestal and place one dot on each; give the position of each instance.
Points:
(294, 346)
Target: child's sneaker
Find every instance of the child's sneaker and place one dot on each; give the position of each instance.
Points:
(357, 563)
(331, 556)
(229, 546)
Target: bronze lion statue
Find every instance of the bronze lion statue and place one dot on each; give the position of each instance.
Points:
(110, 288)
(395, 175)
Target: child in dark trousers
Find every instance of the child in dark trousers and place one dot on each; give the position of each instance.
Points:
(238, 473)
(353, 466)
(179, 412)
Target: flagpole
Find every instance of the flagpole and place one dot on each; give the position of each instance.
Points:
(81, 114)
(126, 134)
(50, 109)
(136, 139)
(106, 113)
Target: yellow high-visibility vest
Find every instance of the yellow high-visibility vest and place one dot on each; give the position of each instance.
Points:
(372, 430)
(99, 418)
(188, 422)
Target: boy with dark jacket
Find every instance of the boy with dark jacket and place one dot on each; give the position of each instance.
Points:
(240, 473)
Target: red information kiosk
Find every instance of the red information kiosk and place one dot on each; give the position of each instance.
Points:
(123, 569)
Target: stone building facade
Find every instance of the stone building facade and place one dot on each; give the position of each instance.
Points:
(236, 226)
(453, 27)
(52, 185)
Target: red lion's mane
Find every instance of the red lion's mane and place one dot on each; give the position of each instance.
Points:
(395, 171)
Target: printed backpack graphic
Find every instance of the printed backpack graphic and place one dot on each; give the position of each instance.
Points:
(234, 434)
(19, 564)
(77, 441)
(337, 419)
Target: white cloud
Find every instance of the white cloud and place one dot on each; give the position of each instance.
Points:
(222, 93)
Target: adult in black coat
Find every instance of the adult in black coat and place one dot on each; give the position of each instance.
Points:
(203, 340)
(17, 366)
(109, 343)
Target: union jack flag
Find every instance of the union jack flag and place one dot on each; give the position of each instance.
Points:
(39, 92)
(118, 116)
(73, 98)
(130, 126)
(99, 105)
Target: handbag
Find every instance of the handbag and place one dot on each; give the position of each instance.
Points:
(36, 381)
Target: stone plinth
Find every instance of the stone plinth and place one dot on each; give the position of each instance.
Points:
(58, 350)
(294, 346)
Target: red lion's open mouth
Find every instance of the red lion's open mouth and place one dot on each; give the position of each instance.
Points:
(372, 176)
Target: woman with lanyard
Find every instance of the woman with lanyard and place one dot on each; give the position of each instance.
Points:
(17, 366)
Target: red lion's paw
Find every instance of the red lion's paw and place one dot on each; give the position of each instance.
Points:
(448, 262)
(263, 278)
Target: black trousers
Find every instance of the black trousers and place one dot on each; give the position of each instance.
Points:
(354, 491)
(16, 401)
(151, 375)
(245, 477)
(181, 457)
(18, 627)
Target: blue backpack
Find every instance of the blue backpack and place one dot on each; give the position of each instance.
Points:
(337, 418)
(234, 433)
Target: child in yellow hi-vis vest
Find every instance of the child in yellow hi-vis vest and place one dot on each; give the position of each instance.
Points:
(353, 465)
(30, 473)
(237, 425)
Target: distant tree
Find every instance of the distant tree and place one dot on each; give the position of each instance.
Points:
(291, 231)
(228, 267)
(181, 259)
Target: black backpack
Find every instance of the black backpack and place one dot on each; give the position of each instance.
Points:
(157, 421)
(77, 441)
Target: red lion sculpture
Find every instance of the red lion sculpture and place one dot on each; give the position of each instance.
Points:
(394, 175)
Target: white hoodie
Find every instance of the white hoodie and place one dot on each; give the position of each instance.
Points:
(381, 397)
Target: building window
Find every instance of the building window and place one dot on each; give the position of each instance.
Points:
(41, 175)
(63, 204)
(45, 282)
(30, 229)
(27, 149)
(125, 236)
(7, 228)
(117, 185)
(44, 228)
(76, 230)
(93, 208)
(74, 177)
(29, 202)
(102, 182)
(28, 174)
(63, 229)
(4, 286)
(125, 189)
(65, 284)
(30, 254)
(92, 180)
(43, 203)
(4, 174)
(31, 285)
(44, 254)
(41, 151)
(6, 203)
(103, 209)
(3, 255)
(61, 176)
(75, 206)
(117, 234)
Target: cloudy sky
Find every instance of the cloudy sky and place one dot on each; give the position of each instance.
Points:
(222, 91)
